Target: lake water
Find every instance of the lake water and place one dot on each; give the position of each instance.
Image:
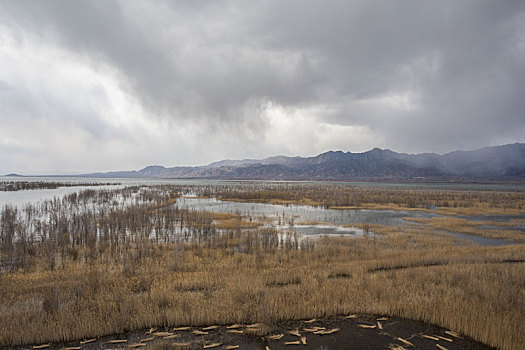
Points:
(304, 220)
(19, 198)
(292, 214)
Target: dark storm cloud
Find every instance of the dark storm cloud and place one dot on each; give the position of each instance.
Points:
(177, 66)
(99, 30)
(462, 62)
(407, 75)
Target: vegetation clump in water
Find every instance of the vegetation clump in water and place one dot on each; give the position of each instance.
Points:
(40, 185)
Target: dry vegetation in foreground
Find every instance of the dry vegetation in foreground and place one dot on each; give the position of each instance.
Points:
(88, 265)
(237, 279)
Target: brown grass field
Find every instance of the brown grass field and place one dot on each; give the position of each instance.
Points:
(247, 274)
(471, 227)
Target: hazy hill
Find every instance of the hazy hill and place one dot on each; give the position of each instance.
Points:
(492, 163)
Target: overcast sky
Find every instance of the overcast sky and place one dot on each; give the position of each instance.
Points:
(112, 85)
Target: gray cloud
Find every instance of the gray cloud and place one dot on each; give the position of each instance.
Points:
(216, 79)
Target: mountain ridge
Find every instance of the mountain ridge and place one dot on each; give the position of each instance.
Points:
(506, 162)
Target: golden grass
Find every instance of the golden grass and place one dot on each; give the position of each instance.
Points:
(377, 206)
(471, 227)
(479, 210)
(476, 209)
(301, 201)
(236, 224)
(469, 289)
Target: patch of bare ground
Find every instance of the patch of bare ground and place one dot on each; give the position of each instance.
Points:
(336, 332)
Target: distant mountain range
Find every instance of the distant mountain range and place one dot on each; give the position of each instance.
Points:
(491, 163)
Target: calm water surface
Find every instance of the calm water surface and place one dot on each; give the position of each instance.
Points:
(304, 220)
(292, 214)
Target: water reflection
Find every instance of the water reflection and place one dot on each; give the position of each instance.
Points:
(293, 215)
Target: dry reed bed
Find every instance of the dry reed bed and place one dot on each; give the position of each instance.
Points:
(472, 291)
(446, 201)
(473, 227)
